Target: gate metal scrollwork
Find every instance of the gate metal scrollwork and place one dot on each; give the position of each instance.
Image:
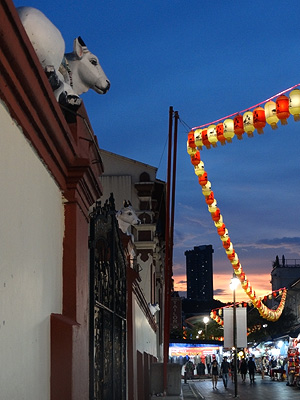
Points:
(107, 306)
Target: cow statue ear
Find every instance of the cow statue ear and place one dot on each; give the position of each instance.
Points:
(125, 204)
(78, 47)
(129, 203)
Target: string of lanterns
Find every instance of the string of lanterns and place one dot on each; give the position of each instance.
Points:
(217, 313)
(224, 132)
(250, 121)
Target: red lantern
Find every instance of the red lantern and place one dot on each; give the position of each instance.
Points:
(221, 230)
(220, 134)
(238, 126)
(231, 255)
(259, 119)
(226, 244)
(210, 198)
(282, 108)
(216, 215)
(205, 140)
(258, 303)
(191, 139)
(195, 158)
(203, 179)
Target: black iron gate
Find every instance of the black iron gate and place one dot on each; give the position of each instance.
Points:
(107, 306)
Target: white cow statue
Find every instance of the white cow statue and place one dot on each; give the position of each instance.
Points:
(153, 308)
(69, 74)
(126, 217)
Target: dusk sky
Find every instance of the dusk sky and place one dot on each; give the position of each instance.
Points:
(207, 59)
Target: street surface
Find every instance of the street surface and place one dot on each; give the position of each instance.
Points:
(261, 389)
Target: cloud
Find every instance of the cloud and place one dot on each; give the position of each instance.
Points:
(219, 292)
(290, 244)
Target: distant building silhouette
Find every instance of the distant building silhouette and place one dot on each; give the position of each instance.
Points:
(284, 273)
(199, 273)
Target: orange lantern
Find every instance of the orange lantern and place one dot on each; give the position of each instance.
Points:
(220, 134)
(198, 138)
(221, 230)
(229, 249)
(212, 135)
(231, 256)
(248, 123)
(282, 108)
(205, 139)
(191, 139)
(195, 158)
(203, 179)
(227, 243)
(294, 105)
(270, 112)
(259, 119)
(216, 215)
(238, 126)
(210, 198)
(228, 129)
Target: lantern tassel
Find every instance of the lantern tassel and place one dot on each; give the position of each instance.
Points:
(274, 126)
(297, 117)
(260, 131)
(283, 121)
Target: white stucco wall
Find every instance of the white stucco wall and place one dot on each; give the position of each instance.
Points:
(145, 337)
(31, 234)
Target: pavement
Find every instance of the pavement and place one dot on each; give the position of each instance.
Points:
(261, 389)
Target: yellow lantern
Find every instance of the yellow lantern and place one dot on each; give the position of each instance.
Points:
(199, 168)
(191, 150)
(212, 135)
(294, 104)
(206, 189)
(228, 129)
(213, 207)
(219, 223)
(198, 138)
(271, 116)
(248, 123)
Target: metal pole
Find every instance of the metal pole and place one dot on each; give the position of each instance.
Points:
(176, 117)
(167, 259)
(234, 344)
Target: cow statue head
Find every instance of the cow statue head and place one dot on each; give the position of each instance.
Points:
(126, 217)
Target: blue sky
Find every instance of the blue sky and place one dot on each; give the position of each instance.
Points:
(207, 59)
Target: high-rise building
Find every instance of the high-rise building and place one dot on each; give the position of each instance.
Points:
(199, 273)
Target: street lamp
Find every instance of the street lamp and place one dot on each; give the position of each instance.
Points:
(205, 320)
(233, 285)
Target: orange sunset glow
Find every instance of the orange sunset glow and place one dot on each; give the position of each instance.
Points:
(260, 283)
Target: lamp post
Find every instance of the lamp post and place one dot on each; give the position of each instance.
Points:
(233, 285)
(205, 320)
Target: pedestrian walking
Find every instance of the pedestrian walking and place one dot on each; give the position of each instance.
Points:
(225, 369)
(251, 369)
(189, 368)
(215, 371)
(243, 369)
